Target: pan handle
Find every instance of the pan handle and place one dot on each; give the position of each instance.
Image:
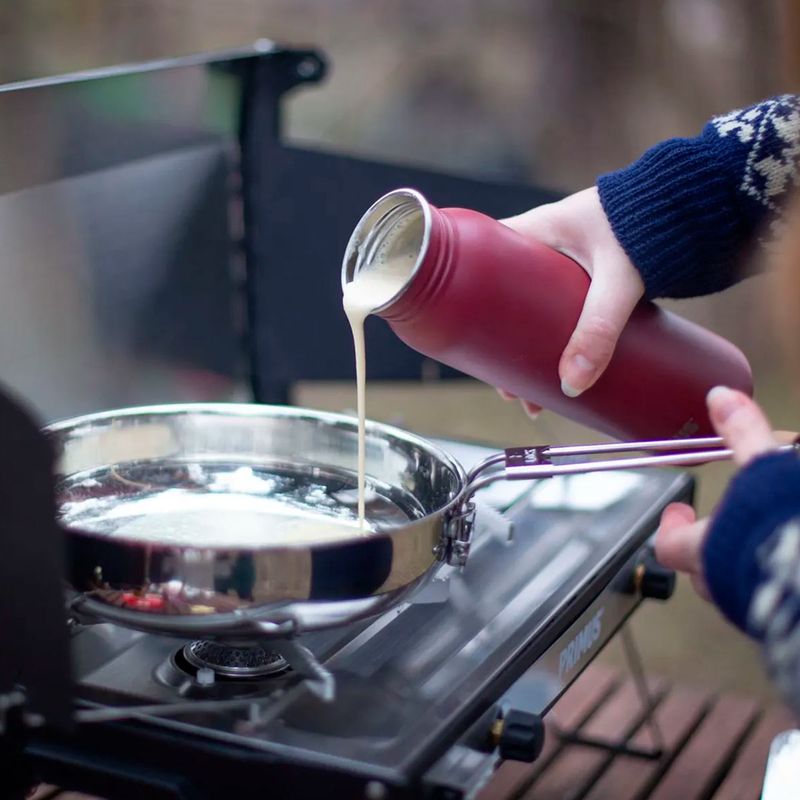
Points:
(539, 461)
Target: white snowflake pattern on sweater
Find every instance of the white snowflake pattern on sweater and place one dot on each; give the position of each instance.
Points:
(771, 131)
(774, 611)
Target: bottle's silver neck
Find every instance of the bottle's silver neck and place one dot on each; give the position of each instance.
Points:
(395, 227)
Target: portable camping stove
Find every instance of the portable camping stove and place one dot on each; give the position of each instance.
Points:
(403, 705)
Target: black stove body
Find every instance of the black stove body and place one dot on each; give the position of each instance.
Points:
(416, 691)
(188, 206)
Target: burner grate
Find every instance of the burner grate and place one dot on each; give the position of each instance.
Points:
(237, 661)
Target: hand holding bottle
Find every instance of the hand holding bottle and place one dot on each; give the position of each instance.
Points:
(577, 226)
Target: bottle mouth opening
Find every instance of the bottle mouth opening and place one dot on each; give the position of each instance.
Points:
(394, 231)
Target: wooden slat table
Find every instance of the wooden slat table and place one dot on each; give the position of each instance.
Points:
(715, 747)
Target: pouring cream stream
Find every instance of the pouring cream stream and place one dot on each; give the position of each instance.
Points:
(372, 287)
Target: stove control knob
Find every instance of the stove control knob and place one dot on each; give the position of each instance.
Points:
(652, 580)
(519, 736)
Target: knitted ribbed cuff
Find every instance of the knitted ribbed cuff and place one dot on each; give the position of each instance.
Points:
(675, 213)
(760, 498)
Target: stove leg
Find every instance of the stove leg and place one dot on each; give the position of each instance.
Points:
(634, 659)
(649, 702)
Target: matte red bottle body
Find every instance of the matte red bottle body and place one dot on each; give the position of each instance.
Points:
(491, 303)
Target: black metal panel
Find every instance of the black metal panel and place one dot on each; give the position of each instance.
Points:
(170, 298)
(303, 206)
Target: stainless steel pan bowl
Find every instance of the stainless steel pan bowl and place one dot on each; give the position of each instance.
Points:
(172, 516)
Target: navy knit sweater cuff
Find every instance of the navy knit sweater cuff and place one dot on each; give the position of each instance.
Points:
(675, 213)
(760, 499)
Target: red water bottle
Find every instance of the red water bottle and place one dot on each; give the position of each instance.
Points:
(487, 301)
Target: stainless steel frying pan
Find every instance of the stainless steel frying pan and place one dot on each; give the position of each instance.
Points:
(238, 520)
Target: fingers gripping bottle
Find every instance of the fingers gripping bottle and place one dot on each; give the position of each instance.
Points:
(495, 305)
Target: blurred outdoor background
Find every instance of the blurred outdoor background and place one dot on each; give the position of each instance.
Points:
(552, 92)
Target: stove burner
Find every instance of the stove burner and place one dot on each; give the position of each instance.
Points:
(235, 661)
